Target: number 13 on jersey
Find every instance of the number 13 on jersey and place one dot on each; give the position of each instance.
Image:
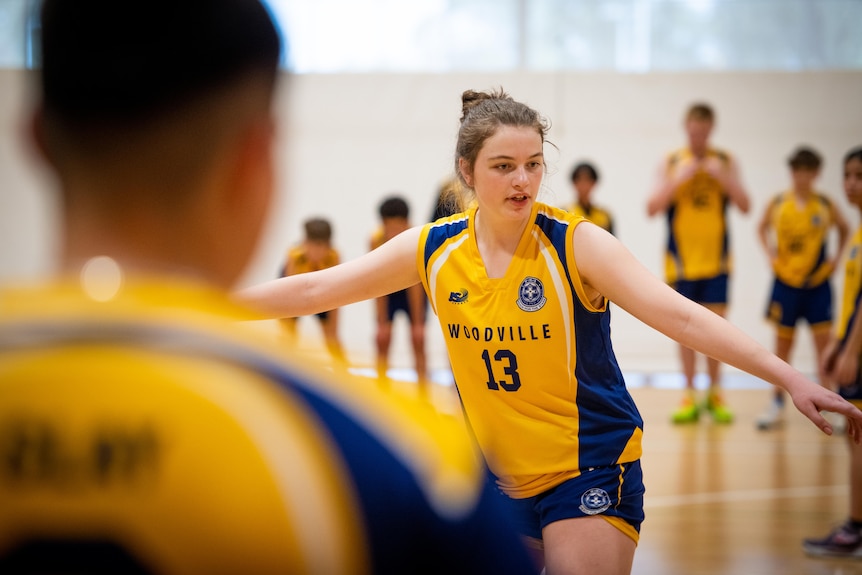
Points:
(505, 360)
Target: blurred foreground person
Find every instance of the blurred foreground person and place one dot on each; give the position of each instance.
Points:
(142, 430)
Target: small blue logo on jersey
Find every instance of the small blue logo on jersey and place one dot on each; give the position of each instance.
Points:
(531, 294)
(458, 296)
(595, 501)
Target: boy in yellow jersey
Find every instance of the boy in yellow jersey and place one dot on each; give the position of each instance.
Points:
(794, 233)
(394, 219)
(143, 429)
(315, 253)
(584, 178)
(696, 184)
(842, 363)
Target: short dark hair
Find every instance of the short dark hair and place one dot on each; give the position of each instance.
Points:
(318, 230)
(584, 168)
(805, 158)
(394, 207)
(103, 63)
(700, 111)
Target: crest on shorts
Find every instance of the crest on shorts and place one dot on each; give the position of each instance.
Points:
(531, 294)
(595, 501)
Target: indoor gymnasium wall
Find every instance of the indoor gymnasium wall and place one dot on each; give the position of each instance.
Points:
(349, 140)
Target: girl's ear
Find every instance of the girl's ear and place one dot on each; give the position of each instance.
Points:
(466, 173)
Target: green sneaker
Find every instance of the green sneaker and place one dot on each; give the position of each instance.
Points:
(715, 406)
(687, 412)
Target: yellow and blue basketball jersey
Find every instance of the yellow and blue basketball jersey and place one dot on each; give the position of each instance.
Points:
(850, 297)
(149, 433)
(298, 256)
(599, 216)
(531, 356)
(801, 234)
(698, 243)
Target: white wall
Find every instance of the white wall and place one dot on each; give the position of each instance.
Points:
(348, 140)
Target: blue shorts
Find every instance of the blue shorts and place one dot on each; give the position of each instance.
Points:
(396, 302)
(613, 491)
(789, 304)
(705, 291)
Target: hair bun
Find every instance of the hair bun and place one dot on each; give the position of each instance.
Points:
(470, 99)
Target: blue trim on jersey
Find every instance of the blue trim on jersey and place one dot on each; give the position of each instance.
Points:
(438, 233)
(556, 232)
(603, 400)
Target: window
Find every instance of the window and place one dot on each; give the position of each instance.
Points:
(430, 36)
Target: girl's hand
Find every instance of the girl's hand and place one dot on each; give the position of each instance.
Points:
(810, 399)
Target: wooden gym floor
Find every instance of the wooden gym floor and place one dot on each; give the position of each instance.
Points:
(725, 499)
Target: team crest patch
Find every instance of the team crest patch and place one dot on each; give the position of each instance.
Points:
(458, 296)
(595, 501)
(531, 294)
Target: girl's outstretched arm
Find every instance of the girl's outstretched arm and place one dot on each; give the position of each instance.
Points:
(610, 269)
(389, 268)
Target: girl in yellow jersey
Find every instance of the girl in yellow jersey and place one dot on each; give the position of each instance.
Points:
(794, 233)
(521, 290)
(842, 367)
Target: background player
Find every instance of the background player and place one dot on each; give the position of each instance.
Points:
(794, 233)
(584, 178)
(395, 218)
(315, 253)
(142, 429)
(527, 329)
(842, 367)
(695, 185)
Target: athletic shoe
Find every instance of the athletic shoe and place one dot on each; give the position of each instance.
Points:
(772, 418)
(845, 541)
(715, 406)
(687, 412)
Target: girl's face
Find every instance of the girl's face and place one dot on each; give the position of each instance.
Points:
(508, 171)
(853, 181)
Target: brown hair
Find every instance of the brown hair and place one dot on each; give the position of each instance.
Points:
(481, 114)
(700, 111)
(805, 158)
(318, 230)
